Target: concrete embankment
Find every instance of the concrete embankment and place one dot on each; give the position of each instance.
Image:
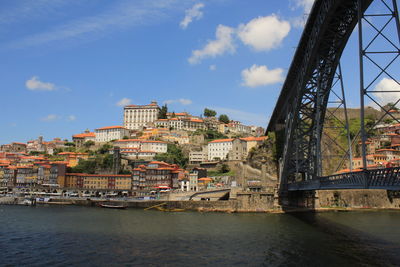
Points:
(343, 200)
(248, 202)
(320, 201)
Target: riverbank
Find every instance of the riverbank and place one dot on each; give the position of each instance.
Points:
(243, 203)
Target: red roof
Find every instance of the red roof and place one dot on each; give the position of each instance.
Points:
(83, 135)
(222, 140)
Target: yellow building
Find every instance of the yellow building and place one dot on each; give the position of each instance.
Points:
(98, 181)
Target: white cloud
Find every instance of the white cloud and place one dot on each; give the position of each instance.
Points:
(50, 117)
(213, 67)
(192, 13)
(264, 33)
(243, 116)
(124, 102)
(387, 85)
(260, 75)
(71, 118)
(181, 101)
(306, 5)
(35, 84)
(222, 44)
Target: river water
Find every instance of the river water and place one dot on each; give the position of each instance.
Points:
(82, 236)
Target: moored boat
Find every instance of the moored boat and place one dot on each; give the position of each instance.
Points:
(112, 206)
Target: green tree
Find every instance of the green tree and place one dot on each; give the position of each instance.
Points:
(224, 168)
(84, 166)
(163, 112)
(125, 137)
(174, 155)
(69, 144)
(224, 118)
(209, 113)
(104, 149)
(88, 144)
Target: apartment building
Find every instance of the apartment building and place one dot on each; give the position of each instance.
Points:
(107, 134)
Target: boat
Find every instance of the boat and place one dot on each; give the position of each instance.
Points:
(112, 206)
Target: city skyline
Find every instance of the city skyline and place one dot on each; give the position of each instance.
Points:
(70, 66)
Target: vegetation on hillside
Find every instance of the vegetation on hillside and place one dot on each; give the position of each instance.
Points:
(209, 113)
(210, 135)
(174, 155)
(224, 118)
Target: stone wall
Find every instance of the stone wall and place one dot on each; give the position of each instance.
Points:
(351, 199)
(366, 198)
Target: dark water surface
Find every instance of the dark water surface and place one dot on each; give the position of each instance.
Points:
(80, 236)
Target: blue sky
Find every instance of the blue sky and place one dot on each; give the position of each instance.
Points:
(70, 65)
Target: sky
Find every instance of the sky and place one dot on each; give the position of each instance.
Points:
(67, 66)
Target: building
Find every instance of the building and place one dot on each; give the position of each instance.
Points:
(136, 117)
(193, 181)
(219, 149)
(197, 157)
(135, 153)
(155, 175)
(81, 139)
(156, 146)
(184, 124)
(98, 181)
(242, 146)
(141, 149)
(233, 149)
(107, 134)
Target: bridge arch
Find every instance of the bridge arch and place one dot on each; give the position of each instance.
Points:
(301, 107)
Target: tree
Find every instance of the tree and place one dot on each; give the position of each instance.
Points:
(88, 144)
(69, 144)
(224, 168)
(174, 155)
(209, 113)
(224, 118)
(163, 112)
(104, 149)
(125, 137)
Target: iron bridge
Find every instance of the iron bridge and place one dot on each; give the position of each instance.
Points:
(301, 108)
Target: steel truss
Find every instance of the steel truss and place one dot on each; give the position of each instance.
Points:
(302, 105)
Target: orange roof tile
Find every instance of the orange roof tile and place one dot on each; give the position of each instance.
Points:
(222, 140)
(83, 135)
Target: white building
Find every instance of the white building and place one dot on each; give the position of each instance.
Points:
(138, 116)
(156, 146)
(219, 149)
(107, 134)
(196, 157)
(143, 149)
(135, 153)
(185, 124)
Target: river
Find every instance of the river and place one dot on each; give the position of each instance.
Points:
(82, 236)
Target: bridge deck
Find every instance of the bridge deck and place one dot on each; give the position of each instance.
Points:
(388, 178)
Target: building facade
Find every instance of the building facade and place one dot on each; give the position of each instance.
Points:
(138, 116)
(107, 134)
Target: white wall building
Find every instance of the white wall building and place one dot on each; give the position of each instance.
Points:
(106, 134)
(185, 124)
(219, 149)
(138, 116)
(156, 146)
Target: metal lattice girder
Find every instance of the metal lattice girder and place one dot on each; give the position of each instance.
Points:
(302, 104)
